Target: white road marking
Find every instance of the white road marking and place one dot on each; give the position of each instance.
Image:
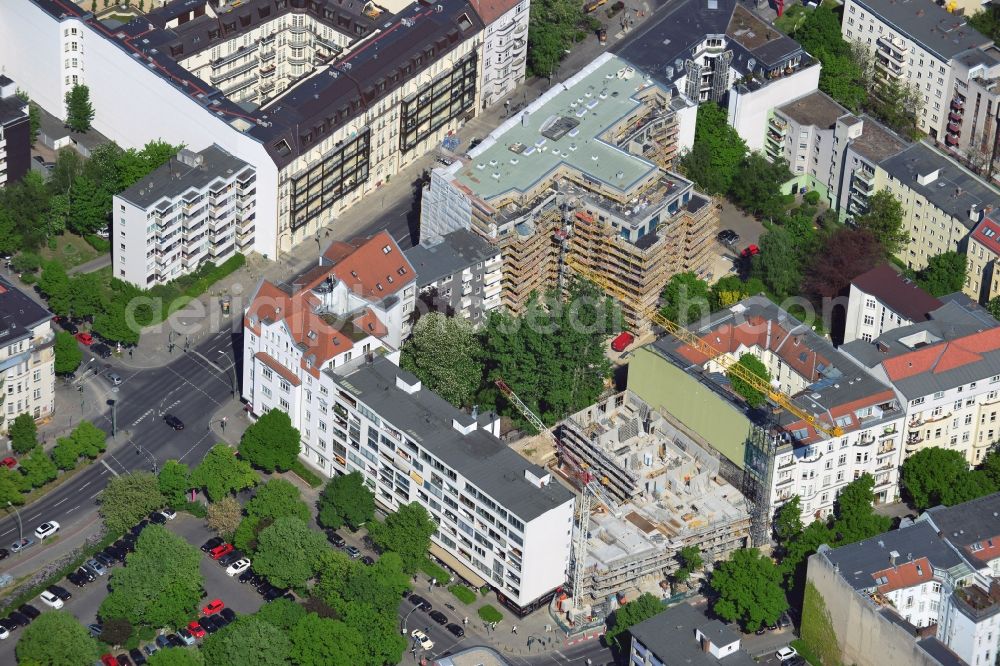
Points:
(562, 655)
(7, 532)
(95, 494)
(37, 515)
(88, 482)
(60, 501)
(73, 509)
(195, 445)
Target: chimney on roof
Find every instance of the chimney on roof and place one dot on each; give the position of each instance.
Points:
(893, 556)
(974, 213)
(407, 386)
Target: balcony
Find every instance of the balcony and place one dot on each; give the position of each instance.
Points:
(955, 128)
(957, 104)
(267, 54)
(955, 116)
(950, 140)
(893, 48)
(888, 67)
(976, 601)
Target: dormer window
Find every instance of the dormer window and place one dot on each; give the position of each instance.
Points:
(378, 285)
(311, 335)
(401, 271)
(389, 278)
(387, 249)
(976, 547)
(354, 274)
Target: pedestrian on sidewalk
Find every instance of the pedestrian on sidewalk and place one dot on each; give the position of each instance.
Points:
(513, 629)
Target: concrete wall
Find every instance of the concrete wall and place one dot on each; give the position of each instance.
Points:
(667, 388)
(864, 637)
(749, 111)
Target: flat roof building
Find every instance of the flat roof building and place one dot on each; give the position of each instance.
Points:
(15, 134)
(683, 636)
(27, 357)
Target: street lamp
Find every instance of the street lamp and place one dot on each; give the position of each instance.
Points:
(405, 617)
(20, 530)
(232, 367)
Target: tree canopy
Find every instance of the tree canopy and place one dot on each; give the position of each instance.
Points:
(717, 153)
(318, 641)
(162, 584)
(176, 656)
(275, 499)
(685, 299)
(746, 390)
(221, 473)
(56, 638)
(554, 25)
(748, 589)
(778, 265)
(68, 354)
(884, 220)
(406, 532)
(23, 433)
(934, 476)
(127, 499)
(79, 110)
(945, 274)
(756, 186)
(853, 517)
(345, 500)
(272, 442)
(443, 352)
(249, 641)
(224, 517)
(627, 616)
(845, 254)
(174, 481)
(288, 552)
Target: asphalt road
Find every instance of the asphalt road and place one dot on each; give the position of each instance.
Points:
(192, 388)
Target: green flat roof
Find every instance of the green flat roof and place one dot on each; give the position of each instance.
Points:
(596, 98)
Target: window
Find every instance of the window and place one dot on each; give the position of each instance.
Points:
(284, 404)
(869, 320)
(266, 371)
(285, 386)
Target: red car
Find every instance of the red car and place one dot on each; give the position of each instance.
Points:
(196, 629)
(623, 340)
(220, 551)
(85, 338)
(213, 607)
(109, 660)
(9, 462)
(750, 251)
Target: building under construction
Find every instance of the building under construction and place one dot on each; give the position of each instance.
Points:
(582, 173)
(665, 490)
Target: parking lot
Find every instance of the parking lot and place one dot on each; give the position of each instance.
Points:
(87, 600)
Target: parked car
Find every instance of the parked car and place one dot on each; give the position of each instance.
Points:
(115, 379)
(162, 641)
(105, 559)
(249, 576)
(750, 251)
(157, 518)
(95, 567)
(139, 527)
(174, 640)
(4, 631)
(109, 660)
(123, 659)
(238, 567)
(4, 553)
(168, 513)
(9, 462)
(207, 625)
(623, 340)
(336, 539)
(29, 611)
(117, 552)
(213, 607)
(439, 617)
(69, 326)
(230, 557)
(228, 614)
(186, 636)
(91, 576)
(60, 592)
(173, 422)
(421, 603)
(77, 578)
(368, 559)
(422, 639)
(221, 551)
(138, 658)
(19, 619)
(353, 552)
(51, 600)
(18, 546)
(196, 629)
(101, 350)
(727, 237)
(127, 545)
(456, 630)
(149, 649)
(786, 653)
(274, 593)
(85, 338)
(212, 543)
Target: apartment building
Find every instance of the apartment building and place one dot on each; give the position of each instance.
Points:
(505, 47)
(784, 454)
(574, 173)
(942, 201)
(717, 50)
(326, 100)
(914, 43)
(982, 281)
(27, 357)
(829, 149)
(664, 492)
(925, 593)
(196, 208)
(945, 374)
(683, 636)
(15, 134)
(882, 300)
(356, 302)
(502, 521)
(460, 275)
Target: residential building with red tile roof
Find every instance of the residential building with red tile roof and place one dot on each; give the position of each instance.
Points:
(925, 593)
(946, 373)
(355, 303)
(881, 300)
(795, 458)
(982, 276)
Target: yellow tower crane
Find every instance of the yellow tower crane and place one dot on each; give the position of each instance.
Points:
(729, 365)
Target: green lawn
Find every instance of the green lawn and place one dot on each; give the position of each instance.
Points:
(71, 250)
(791, 19)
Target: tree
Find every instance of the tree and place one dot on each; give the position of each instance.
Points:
(23, 433)
(841, 77)
(34, 116)
(788, 520)
(884, 220)
(272, 442)
(221, 473)
(288, 552)
(756, 186)
(282, 613)
(407, 532)
(555, 24)
(38, 468)
(731, 289)
(994, 307)
(79, 110)
(275, 499)
(116, 631)
(128, 499)
(685, 299)
(65, 453)
(90, 440)
(11, 482)
(345, 499)
(176, 656)
(443, 353)
(162, 584)
(68, 354)
(717, 152)
(318, 641)
(56, 638)
(752, 364)
(112, 324)
(690, 561)
(748, 589)
(383, 644)
(777, 265)
(945, 274)
(627, 616)
(927, 476)
(224, 516)
(249, 641)
(174, 481)
(91, 204)
(844, 255)
(854, 518)
(54, 284)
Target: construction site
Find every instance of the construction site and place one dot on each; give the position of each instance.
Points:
(661, 492)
